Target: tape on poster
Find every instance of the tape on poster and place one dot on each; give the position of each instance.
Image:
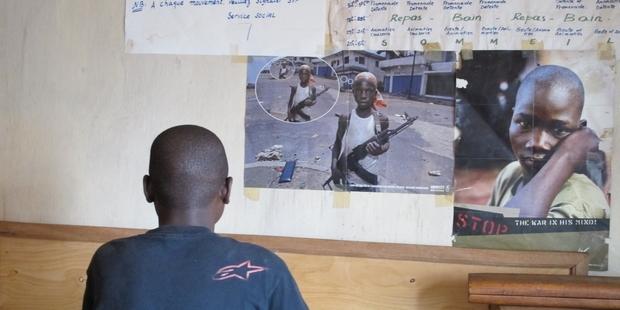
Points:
(607, 133)
(432, 46)
(467, 51)
(532, 44)
(328, 46)
(606, 51)
(341, 199)
(443, 201)
(252, 193)
(432, 51)
(239, 59)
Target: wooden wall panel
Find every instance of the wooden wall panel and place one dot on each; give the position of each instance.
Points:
(50, 274)
(575, 262)
(331, 282)
(43, 266)
(41, 274)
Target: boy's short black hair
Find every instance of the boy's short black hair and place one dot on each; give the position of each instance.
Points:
(550, 76)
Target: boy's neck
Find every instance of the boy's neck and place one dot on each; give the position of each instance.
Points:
(303, 84)
(363, 113)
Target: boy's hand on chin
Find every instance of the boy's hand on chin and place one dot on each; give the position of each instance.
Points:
(577, 145)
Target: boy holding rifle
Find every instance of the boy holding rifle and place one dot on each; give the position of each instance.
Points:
(362, 124)
(303, 95)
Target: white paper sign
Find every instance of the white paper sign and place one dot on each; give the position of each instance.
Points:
(479, 24)
(226, 27)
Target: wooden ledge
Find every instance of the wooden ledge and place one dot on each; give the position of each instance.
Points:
(576, 262)
(584, 292)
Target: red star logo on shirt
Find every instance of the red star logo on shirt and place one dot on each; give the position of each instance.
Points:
(241, 271)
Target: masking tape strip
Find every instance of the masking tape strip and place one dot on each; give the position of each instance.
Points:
(432, 46)
(327, 45)
(341, 199)
(432, 51)
(252, 193)
(606, 51)
(237, 59)
(467, 51)
(608, 133)
(532, 44)
(442, 201)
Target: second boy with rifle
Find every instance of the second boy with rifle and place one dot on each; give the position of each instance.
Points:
(354, 129)
(303, 95)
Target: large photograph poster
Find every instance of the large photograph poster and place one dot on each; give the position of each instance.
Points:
(533, 150)
(374, 121)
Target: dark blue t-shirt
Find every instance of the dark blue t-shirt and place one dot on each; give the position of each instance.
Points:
(188, 267)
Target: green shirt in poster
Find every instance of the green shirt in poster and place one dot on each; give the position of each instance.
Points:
(578, 198)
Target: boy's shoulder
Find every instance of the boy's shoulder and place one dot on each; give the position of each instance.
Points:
(112, 247)
(247, 247)
(375, 114)
(382, 121)
(585, 197)
(128, 249)
(505, 183)
(114, 251)
(345, 118)
(509, 175)
(380, 116)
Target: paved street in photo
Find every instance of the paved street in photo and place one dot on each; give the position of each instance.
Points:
(420, 156)
(274, 95)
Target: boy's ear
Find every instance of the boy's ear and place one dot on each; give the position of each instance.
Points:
(583, 123)
(225, 191)
(147, 187)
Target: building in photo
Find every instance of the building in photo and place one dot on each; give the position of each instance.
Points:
(419, 74)
(347, 64)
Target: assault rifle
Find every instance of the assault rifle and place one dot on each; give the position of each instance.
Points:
(293, 110)
(351, 161)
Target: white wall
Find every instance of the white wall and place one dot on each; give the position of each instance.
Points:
(77, 116)
(80, 114)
